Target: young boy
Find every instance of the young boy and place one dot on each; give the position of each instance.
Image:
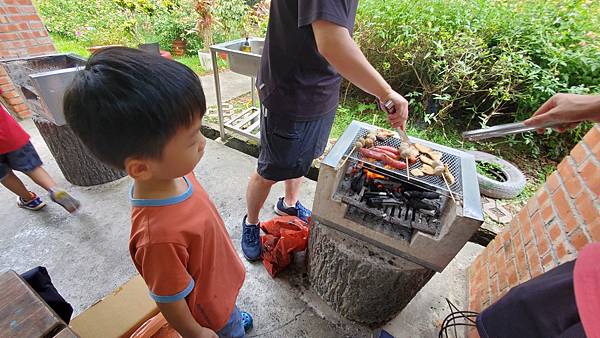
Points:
(143, 113)
(17, 153)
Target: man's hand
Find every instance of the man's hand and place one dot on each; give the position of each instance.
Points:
(566, 111)
(400, 110)
(180, 318)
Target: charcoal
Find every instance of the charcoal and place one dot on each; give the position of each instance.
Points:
(420, 205)
(422, 195)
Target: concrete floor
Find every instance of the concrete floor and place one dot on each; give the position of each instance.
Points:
(87, 256)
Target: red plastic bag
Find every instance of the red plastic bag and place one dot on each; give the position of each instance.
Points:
(284, 236)
(155, 327)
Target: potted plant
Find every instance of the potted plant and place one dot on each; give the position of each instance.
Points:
(175, 27)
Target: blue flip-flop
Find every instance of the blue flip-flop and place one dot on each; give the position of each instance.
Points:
(246, 320)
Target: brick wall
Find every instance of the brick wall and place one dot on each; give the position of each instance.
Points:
(557, 223)
(22, 34)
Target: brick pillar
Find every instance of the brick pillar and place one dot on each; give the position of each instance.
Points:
(555, 225)
(22, 34)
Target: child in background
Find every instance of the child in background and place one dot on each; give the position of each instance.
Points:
(17, 153)
(143, 113)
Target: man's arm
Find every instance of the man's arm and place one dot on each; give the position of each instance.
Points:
(180, 318)
(336, 45)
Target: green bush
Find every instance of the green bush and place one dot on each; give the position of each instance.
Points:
(471, 63)
(89, 22)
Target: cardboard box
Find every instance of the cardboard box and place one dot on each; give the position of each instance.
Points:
(118, 314)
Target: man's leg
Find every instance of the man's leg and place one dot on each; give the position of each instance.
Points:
(292, 191)
(14, 184)
(256, 195)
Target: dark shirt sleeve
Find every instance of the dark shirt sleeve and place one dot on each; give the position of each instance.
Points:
(335, 11)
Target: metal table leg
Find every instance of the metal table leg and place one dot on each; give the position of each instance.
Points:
(213, 55)
(253, 90)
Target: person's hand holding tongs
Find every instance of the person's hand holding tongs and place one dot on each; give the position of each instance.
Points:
(561, 112)
(397, 108)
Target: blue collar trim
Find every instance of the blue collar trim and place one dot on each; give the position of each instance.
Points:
(160, 202)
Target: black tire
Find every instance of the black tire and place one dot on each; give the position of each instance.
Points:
(511, 188)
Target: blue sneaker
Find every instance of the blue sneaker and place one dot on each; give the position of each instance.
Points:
(298, 210)
(251, 241)
(247, 320)
(35, 203)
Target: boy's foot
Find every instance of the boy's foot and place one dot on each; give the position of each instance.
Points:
(298, 210)
(250, 240)
(35, 203)
(247, 320)
(65, 200)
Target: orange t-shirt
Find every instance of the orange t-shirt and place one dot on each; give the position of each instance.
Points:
(182, 249)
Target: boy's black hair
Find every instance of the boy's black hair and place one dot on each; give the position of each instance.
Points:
(127, 102)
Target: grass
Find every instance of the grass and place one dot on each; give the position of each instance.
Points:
(66, 45)
(191, 61)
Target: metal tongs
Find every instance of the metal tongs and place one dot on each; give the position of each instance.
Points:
(502, 130)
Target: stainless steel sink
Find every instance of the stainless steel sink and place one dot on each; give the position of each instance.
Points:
(242, 62)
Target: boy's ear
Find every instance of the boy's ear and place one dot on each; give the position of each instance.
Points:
(138, 168)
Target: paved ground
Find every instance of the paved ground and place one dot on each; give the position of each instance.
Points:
(232, 85)
(86, 254)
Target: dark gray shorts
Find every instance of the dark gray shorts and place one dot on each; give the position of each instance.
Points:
(24, 160)
(287, 147)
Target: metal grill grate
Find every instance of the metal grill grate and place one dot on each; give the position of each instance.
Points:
(426, 181)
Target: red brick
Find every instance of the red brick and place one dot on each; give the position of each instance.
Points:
(8, 28)
(8, 36)
(547, 214)
(12, 10)
(573, 186)
(15, 101)
(579, 154)
(535, 265)
(511, 273)
(553, 182)
(569, 221)
(561, 251)
(590, 172)
(542, 197)
(36, 25)
(20, 107)
(10, 94)
(586, 208)
(527, 233)
(594, 230)
(554, 232)
(508, 250)
(26, 35)
(592, 137)
(537, 223)
(548, 262)
(492, 267)
(502, 280)
(517, 243)
(542, 245)
(532, 206)
(560, 202)
(522, 268)
(578, 240)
